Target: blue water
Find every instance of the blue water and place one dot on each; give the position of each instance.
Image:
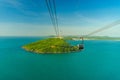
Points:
(100, 60)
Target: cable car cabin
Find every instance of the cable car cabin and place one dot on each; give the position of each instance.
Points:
(81, 46)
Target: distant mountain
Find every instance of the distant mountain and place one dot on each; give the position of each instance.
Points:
(102, 38)
(92, 38)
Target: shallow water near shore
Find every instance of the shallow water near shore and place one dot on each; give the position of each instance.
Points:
(100, 60)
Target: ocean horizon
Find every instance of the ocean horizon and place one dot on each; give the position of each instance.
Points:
(98, 61)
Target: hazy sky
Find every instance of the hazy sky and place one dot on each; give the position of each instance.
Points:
(76, 17)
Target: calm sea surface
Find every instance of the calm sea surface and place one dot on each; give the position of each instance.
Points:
(100, 60)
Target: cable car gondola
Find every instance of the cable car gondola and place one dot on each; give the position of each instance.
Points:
(81, 45)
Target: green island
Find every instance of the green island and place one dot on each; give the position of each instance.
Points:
(51, 45)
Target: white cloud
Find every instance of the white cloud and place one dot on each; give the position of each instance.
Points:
(19, 5)
(22, 29)
(85, 18)
(77, 19)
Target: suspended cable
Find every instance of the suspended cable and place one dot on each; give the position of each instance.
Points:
(56, 19)
(106, 27)
(51, 13)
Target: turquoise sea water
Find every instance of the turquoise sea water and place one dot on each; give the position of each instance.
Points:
(100, 60)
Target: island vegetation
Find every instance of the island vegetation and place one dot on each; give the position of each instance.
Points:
(51, 45)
